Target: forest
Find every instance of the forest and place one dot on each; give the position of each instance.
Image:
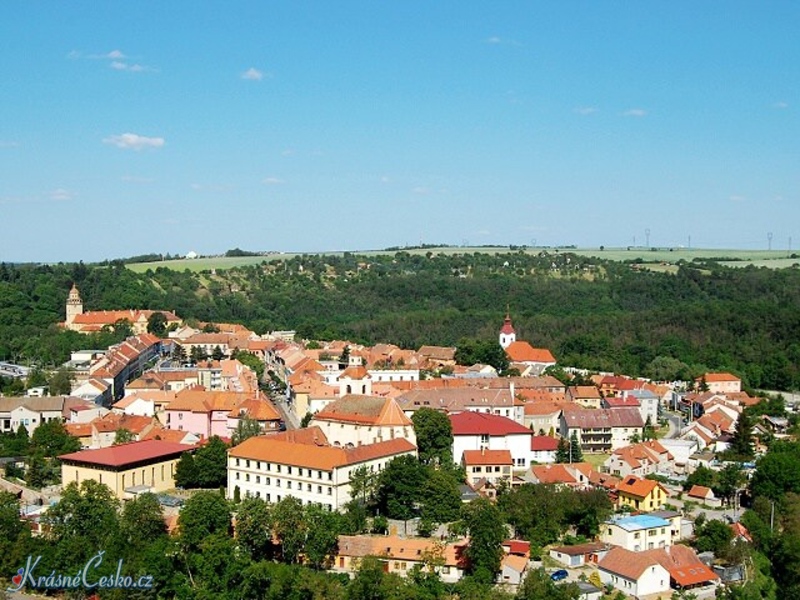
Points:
(591, 313)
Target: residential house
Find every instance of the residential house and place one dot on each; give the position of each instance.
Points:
(701, 493)
(580, 554)
(648, 404)
(633, 573)
(208, 413)
(720, 383)
(401, 555)
(476, 431)
(602, 430)
(641, 494)
(543, 449)
(105, 429)
(587, 396)
(128, 469)
(574, 475)
(639, 459)
(493, 466)
(437, 356)
(31, 411)
(638, 532)
(302, 463)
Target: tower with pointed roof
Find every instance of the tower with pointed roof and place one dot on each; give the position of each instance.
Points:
(74, 305)
(507, 334)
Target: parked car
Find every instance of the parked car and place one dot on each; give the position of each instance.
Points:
(559, 575)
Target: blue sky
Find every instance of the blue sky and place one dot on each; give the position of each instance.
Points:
(128, 128)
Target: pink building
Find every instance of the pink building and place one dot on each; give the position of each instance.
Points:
(211, 413)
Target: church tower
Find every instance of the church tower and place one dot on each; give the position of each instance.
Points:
(507, 334)
(74, 305)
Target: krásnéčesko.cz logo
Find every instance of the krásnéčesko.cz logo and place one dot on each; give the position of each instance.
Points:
(84, 578)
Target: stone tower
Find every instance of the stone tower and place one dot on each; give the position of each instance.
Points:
(74, 305)
(507, 334)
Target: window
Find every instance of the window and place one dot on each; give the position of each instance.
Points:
(319, 489)
(258, 478)
(237, 476)
(636, 535)
(247, 477)
(237, 462)
(278, 468)
(247, 463)
(308, 487)
(269, 466)
(266, 480)
(258, 465)
(278, 484)
(289, 485)
(289, 470)
(330, 491)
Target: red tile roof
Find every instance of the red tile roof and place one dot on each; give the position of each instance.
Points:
(543, 443)
(474, 423)
(636, 486)
(524, 352)
(487, 457)
(127, 454)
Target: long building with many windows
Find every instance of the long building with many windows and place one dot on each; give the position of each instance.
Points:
(302, 463)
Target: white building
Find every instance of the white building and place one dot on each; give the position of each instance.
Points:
(355, 420)
(602, 430)
(478, 431)
(637, 533)
(635, 574)
(302, 464)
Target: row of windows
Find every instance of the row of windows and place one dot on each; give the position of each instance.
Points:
(268, 498)
(278, 483)
(289, 469)
(506, 470)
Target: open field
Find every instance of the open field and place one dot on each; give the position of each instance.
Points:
(657, 259)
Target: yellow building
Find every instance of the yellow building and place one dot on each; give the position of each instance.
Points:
(641, 494)
(128, 469)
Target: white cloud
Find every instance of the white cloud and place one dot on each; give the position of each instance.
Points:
(61, 194)
(119, 66)
(253, 74)
(133, 141)
(585, 110)
(272, 181)
(635, 112)
(498, 41)
(115, 55)
(781, 105)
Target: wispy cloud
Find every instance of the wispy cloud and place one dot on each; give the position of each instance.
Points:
(635, 112)
(133, 141)
(273, 181)
(781, 105)
(61, 195)
(253, 74)
(118, 61)
(585, 110)
(499, 41)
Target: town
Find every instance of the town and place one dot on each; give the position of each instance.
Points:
(377, 461)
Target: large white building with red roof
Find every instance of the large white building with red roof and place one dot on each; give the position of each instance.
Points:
(477, 431)
(94, 321)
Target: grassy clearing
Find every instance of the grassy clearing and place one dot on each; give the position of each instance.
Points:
(596, 460)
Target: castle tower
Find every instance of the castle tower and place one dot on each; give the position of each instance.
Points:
(507, 334)
(74, 305)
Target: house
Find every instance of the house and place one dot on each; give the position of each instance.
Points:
(575, 475)
(476, 431)
(641, 494)
(302, 463)
(633, 573)
(210, 413)
(543, 417)
(705, 495)
(602, 430)
(675, 520)
(637, 533)
(128, 469)
(401, 555)
(438, 356)
(105, 429)
(513, 569)
(31, 411)
(490, 465)
(648, 404)
(720, 383)
(500, 402)
(543, 449)
(588, 396)
(580, 554)
(353, 420)
(639, 459)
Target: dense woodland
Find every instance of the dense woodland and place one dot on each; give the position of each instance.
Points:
(596, 314)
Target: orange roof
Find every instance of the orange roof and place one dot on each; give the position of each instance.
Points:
(487, 457)
(202, 401)
(636, 486)
(524, 352)
(354, 373)
(257, 409)
(364, 410)
(629, 565)
(78, 429)
(700, 491)
(392, 546)
(719, 377)
(316, 453)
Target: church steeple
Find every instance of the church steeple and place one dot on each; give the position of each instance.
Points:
(507, 334)
(74, 305)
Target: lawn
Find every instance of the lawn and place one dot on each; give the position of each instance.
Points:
(596, 460)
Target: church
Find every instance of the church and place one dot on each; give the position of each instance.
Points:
(529, 360)
(96, 320)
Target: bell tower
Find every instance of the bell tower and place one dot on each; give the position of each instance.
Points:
(74, 305)
(507, 334)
